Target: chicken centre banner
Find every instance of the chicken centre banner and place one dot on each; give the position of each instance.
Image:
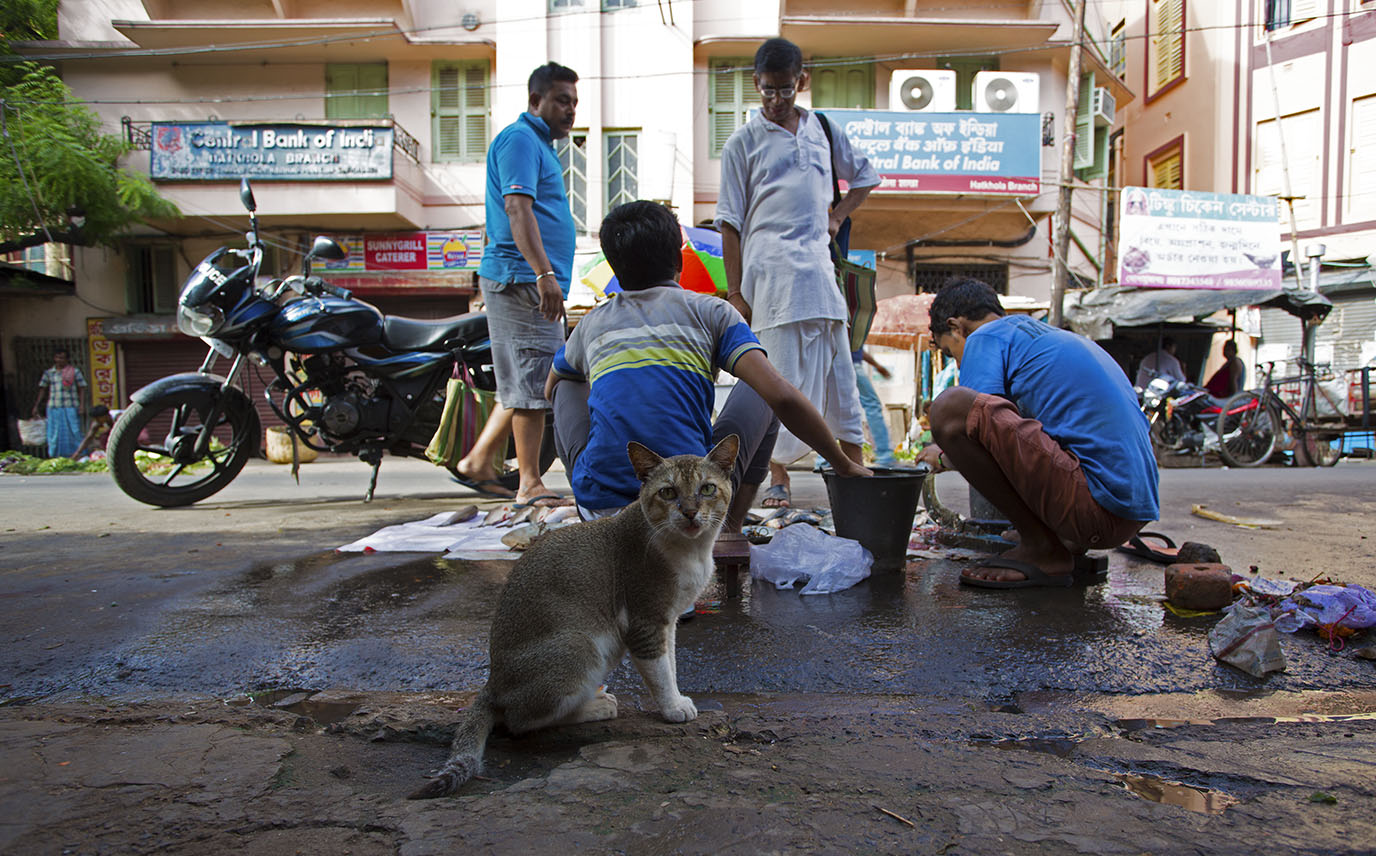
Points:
(1188, 239)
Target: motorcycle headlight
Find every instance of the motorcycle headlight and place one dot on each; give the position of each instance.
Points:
(200, 321)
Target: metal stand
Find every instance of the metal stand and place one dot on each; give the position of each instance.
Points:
(371, 456)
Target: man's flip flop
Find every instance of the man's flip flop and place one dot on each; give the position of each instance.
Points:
(538, 501)
(776, 496)
(1035, 576)
(1136, 546)
(486, 487)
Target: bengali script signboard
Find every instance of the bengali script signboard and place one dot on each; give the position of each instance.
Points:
(1188, 239)
(216, 151)
(967, 153)
(432, 251)
(103, 363)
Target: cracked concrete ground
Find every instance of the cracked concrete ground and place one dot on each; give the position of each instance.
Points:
(906, 718)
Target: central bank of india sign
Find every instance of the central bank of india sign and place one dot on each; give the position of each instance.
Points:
(215, 151)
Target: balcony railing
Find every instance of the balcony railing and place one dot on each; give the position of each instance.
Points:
(140, 136)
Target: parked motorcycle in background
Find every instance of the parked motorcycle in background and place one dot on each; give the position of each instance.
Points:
(1186, 420)
(346, 378)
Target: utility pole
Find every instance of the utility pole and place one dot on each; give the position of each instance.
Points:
(1067, 172)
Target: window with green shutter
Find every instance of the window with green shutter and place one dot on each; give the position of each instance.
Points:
(459, 108)
(843, 85)
(573, 160)
(731, 87)
(1091, 135)
(623, 167)
(355, 90)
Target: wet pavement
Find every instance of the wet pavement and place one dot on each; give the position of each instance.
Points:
(203, 601)
(117, 613)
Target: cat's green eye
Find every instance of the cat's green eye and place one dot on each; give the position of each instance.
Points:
(667, 493)
(708, 489)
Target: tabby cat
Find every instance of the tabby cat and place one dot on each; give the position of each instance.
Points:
(584, 595)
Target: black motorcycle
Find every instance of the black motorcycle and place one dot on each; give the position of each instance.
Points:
(1182, 416)
(346, 378)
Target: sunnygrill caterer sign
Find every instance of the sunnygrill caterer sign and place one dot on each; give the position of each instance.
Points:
(216, 151)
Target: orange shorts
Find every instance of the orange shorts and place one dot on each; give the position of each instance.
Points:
(1047, 477)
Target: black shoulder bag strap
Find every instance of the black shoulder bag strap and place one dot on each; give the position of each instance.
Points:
(831, 150)
(842, 239)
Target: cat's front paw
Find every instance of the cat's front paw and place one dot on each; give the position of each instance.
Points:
(680, 710)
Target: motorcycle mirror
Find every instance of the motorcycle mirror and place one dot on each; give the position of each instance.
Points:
(327, 248)
(246, 195)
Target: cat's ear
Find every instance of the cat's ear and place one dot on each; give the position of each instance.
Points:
(724, 453)
(642, 459)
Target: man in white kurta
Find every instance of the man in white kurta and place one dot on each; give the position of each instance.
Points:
(774, 214)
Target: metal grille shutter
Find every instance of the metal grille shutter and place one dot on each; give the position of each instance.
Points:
(144, 362)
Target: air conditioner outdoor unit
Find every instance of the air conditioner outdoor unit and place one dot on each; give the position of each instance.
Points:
(1007, 92)
(1102, 106)
(926, 90)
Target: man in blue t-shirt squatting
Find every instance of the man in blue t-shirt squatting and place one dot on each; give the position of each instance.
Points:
(641, 367)
(1046, 426)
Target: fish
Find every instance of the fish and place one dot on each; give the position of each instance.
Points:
(496, 516)
(559, 514)
(523, 515)
(521, 537)
(758, 534)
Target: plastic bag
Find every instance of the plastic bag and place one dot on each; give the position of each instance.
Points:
(33, 432)
(1247, 639)
(1352, 606)
(804, 552)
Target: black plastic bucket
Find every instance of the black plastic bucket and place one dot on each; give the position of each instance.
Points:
(877, 511)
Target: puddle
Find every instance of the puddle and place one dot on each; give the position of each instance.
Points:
(1198, 800)
(1061, 747)
(302, 703)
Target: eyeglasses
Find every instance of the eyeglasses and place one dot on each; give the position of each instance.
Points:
(785, 92)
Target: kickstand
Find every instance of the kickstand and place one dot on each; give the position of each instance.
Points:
(373, 457)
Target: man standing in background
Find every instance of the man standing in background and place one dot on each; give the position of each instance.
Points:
(776, 186)
(62, 387)
(525, 274)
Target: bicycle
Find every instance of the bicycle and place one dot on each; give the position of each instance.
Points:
(1250, 424)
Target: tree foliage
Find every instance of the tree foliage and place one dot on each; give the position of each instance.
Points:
(55, 159)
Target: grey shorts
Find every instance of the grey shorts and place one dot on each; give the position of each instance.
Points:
(523, 343)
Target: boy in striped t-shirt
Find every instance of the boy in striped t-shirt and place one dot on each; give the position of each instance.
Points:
(642, 367)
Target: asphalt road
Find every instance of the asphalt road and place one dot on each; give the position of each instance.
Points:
(242, 592)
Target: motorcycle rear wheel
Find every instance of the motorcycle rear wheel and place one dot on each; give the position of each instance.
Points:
(175, 474)
(1246, 430)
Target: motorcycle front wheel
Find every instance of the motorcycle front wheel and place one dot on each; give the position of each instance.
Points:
(1247, 430)
(152, 449)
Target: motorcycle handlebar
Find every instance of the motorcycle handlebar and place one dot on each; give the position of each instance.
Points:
(315, 283)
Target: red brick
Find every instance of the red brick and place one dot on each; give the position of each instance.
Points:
(1202, 586)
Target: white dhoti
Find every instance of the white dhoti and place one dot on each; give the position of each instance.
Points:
(815, 357)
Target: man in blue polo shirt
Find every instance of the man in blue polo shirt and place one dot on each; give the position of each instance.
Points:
(525, 274)
(1044, 424)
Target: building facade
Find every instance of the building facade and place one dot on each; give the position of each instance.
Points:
(1274, 98)
(369, 121)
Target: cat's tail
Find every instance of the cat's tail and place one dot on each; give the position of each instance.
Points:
(465, 753)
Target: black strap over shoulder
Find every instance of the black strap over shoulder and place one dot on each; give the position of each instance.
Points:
(831, 149)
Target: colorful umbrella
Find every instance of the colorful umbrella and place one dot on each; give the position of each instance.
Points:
(704, 271)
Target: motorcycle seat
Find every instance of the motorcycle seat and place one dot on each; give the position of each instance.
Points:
(440, 334)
